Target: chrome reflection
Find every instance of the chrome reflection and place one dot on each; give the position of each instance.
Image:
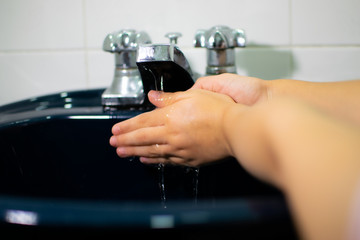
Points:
(90, 117)
(162, 221)
(21, 217)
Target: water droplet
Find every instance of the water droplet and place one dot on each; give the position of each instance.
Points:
(132, 158)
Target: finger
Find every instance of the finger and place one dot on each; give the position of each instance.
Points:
(161, 99)
(173, 160)
(148, 160)
(206, 83)
(152, 151)
(140, 137)
(167, 160)
(148, 119)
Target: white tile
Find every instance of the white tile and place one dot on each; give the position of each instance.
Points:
(323, 22)
(326, 64)
(101, 67)
(197, 59)
(265, 22)
(265, 62)
(262, 62)
(28, 75)
(41, 24)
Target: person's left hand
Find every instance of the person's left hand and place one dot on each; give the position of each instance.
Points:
(187, 128)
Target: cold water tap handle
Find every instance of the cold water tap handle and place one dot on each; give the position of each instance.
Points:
(220, 42)
(220, 37)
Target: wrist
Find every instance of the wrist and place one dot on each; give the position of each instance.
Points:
(233, 119)
(269, 88)
(264, 90)
(247, 136)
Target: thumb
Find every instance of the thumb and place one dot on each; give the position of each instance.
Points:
(162, 99)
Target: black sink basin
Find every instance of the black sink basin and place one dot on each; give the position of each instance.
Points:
(58, 174)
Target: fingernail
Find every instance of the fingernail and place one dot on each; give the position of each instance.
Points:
(144, 159)
(121, 151)
(113, 141)
(155, 95)
(115, 130)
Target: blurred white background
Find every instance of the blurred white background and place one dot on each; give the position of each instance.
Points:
(49, 46)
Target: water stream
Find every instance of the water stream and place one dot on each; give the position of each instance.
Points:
(161, 166)
(196, 184)
(161, 169)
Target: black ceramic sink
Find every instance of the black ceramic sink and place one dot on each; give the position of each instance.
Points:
(58, 174)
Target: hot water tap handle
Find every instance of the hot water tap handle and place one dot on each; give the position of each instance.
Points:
(126, 88)
(125, 42)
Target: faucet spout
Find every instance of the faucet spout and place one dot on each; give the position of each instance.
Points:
(163, 67)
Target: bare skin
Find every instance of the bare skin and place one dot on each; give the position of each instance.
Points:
(339, 98)
(296, 135)
(310, 155)
(165, 135)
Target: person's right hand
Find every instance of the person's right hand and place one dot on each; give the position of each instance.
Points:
(244, 90)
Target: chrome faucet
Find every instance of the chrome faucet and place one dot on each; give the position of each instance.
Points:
(220, 42)
(141, 66)
(126, 88)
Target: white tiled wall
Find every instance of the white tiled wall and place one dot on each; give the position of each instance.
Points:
(49, 46)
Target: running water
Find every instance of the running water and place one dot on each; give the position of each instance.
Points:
(161, 168)
(196, 183)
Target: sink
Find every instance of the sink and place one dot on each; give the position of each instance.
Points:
(59, 176)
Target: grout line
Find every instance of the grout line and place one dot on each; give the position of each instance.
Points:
(41, 51)
(290, 23)
(263, 46)
(292, 63)
(86, 56)
(87, 50)
(322, 46)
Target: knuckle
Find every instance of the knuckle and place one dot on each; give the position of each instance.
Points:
(177, 160)
(154, 151)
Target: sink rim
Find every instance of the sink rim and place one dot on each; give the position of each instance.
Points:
(81, 104)
(140, 215)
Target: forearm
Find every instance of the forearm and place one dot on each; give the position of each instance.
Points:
(318, 161)
(339, 98)
(311, 157)
(247, 136)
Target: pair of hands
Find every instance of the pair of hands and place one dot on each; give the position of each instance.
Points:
(305, 144)
(187, 128)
